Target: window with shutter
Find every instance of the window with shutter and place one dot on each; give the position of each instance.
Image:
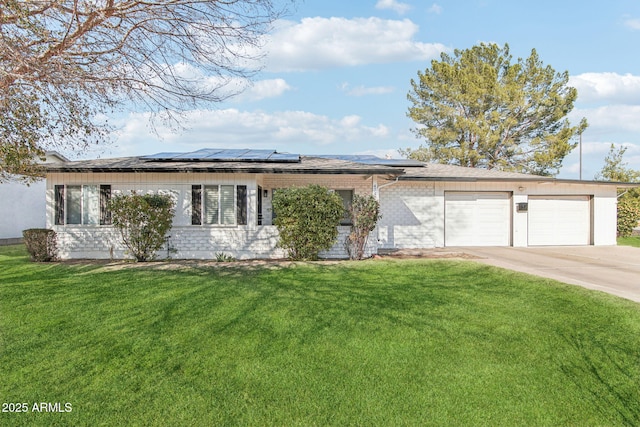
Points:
(222, 204)
(59, 205)
(241, 205)
(196, 204)
(82, 204)
(105, 198)
(347, 200)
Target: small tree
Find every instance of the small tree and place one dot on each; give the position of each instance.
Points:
(143, 222)
(628, 215)
(307, 219)
(616, 169)
(364, 214)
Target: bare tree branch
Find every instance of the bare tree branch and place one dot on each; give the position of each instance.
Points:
(63, 62)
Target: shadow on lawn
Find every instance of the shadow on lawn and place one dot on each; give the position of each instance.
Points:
(607, 380)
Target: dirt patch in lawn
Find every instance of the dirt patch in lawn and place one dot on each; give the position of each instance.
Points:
(178, 264)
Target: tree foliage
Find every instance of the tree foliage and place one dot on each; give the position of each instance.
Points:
(143, 222)
(63, 63)
(307, 219)
(616, 169)
(628, 215)
(364, 214)
(477, 108)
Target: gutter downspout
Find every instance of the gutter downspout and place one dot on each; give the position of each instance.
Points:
(377, 195)
(622, 194)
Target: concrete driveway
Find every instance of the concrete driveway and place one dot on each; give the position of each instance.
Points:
(612, 269)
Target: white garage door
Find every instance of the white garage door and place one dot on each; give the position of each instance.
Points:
(557, 220)
(477, 219)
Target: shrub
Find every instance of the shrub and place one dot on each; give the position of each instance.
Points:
(307, 219)
(143, 222)
(628, 215)
(364, 213)
(41, 244)
(222, 257)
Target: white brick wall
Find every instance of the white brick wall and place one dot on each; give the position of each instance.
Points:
(191, 242)
(411, 216)
(196, 242)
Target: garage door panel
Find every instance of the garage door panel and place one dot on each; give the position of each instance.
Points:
(559, 220)
(477, 219)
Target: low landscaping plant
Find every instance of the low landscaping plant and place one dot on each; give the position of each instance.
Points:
(41, 243)
(364, 214)
(222, 257)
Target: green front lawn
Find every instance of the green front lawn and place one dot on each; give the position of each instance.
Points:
(413, 342)
(629, 241)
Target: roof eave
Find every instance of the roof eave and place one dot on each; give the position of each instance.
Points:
(537, 179)
(341, 171)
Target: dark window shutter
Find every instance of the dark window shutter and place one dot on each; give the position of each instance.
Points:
(59, 205)
(196, 205)
(241, 205)
(105, 198)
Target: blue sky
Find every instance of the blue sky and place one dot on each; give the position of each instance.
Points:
(337, 74)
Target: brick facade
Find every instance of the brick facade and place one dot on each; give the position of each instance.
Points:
(188, 241)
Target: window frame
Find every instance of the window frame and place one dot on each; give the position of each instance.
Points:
(346, 219)
(88, 200)
(239, 200)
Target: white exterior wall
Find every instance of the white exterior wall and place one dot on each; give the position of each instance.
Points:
(21, 207)
(412, 216)
(193, 241)
(413, 212)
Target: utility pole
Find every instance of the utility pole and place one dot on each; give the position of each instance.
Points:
(580, 156)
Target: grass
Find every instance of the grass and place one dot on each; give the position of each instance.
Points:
(412, 342)
(629, 241)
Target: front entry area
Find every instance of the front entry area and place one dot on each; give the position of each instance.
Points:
(477, 218)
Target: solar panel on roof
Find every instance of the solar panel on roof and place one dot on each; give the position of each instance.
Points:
(227, 155)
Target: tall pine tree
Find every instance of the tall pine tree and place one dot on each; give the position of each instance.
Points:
(478, 109)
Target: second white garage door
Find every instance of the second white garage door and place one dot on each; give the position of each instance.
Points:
(559, 220)
(477, 219)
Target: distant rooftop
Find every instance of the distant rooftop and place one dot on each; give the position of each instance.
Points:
(372, 160)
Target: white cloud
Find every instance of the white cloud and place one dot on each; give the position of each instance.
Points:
(435, 8)
(233, 128)
(363, 91)
(610, 118)
(632, 23)
(263, 89)
(321, 43)
(609, 87)
(394, 5)
(240, 89)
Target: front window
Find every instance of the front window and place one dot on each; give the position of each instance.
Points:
(82, 204)
(347, 200)
(219, 204)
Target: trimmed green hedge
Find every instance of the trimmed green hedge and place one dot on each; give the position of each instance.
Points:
(41, 244)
